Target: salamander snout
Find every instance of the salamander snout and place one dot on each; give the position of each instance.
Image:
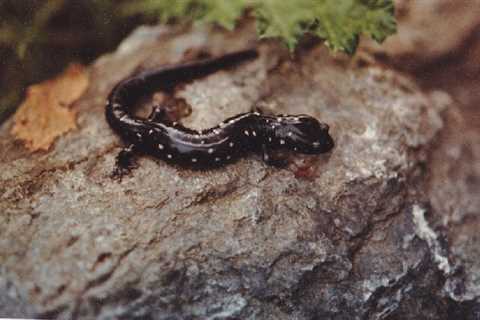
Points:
(325, 141)
(305, 134)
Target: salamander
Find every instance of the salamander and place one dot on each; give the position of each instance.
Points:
(235, 137)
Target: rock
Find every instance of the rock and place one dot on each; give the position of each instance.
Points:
(450, 63)
(429, 31)
(453, 191)
(435, 40)
(350, 235)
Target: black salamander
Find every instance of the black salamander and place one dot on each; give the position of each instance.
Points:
(233, 138)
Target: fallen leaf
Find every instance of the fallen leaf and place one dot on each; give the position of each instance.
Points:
(45, 114)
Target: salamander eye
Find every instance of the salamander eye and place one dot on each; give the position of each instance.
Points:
(324, 127)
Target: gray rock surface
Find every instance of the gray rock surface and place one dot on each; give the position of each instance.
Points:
(451, 63)
(438, 43)
(357, 234)
(429, 31)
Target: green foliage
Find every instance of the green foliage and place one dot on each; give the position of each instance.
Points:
(223, 12)
(38, 38)
(339, 22)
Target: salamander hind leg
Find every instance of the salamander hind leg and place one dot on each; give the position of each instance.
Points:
(124, 162)
(158, 114)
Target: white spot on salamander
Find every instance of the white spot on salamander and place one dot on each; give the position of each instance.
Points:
(139, 136)
(269, 139)
(150, 131)
(169, 156)
(228, 157)
(246, 132)
(194, 159)
(217, 159)
(202, 142)
(231, 144)
(316, 144)
(254, 133)
(282, 141)
(290, 133)
(210, 150)
(160, 146)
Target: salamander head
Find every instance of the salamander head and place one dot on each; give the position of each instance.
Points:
(303, 134)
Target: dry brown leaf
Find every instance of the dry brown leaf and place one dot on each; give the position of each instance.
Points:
(45, 115)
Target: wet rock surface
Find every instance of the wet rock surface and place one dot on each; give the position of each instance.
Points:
(356, 234)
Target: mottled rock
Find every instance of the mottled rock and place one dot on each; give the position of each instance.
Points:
(454, 193)
(446, 55)
(342, 236)
(428, 31)
(438, 42)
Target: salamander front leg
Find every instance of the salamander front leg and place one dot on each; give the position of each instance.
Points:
(158, 114)
(124, 162)
(272, 159)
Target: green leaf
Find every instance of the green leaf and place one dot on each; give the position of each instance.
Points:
(224, 12)
(283, 19)
(339, 22)
(164, 9)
